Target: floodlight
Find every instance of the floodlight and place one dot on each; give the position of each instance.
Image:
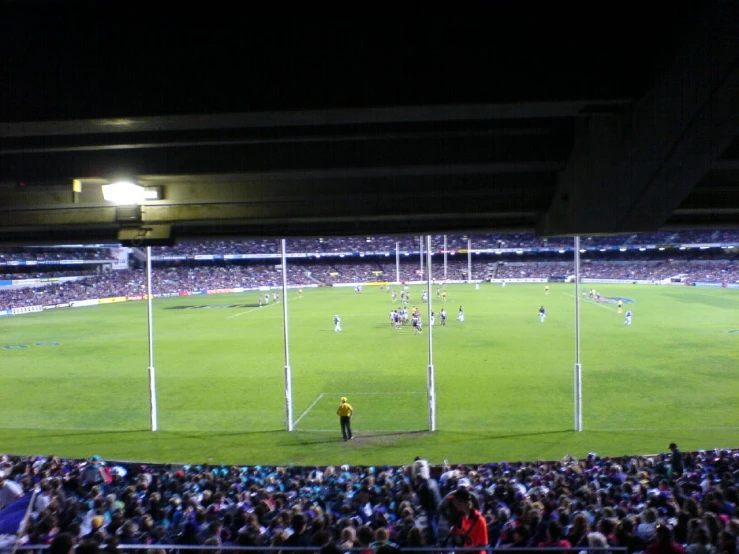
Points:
(153, 193)
(123, 193)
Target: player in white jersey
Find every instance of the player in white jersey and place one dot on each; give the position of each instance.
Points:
(542, 314)
(396, 319)
(460, 315)
(627, 319)
(337, 323)
(432, 319)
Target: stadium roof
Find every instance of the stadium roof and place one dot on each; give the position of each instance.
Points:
(562, 120)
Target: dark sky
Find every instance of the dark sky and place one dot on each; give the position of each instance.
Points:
(103, 59)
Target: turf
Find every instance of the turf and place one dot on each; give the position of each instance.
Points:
(504, 381)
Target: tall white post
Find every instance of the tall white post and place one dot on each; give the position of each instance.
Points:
(430, 381)
(288, 370)
(578, 366)
(445, 250)
(152, 371)
(397, 261)
(469, 260)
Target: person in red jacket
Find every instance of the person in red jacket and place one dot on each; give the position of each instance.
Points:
(471, 530)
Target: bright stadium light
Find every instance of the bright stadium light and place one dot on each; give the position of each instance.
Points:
(124, 193)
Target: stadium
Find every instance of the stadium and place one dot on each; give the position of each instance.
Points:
(409, 291)
(78, 339)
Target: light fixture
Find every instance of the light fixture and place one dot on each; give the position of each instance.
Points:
(124, 193)
(153, 193)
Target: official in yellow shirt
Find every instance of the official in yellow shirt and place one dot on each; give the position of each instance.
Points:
(345, 412)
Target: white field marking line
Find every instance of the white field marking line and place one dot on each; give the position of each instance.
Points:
(593, 302)
(308, 409)
(253, 310)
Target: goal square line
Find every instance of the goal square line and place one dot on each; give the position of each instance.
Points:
(381, 411)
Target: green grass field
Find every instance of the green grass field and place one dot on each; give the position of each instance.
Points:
(504, 380)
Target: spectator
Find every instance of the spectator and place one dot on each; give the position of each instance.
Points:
(471, 529)
(663, 542)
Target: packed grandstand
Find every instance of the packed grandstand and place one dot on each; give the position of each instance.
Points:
(51, 276)
(673, 502)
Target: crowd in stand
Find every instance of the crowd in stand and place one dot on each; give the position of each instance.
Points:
(453, 242)
(45, 274)
(406, 243)
(717, 271)
(175, 279)
(667, 503)
(37, 254)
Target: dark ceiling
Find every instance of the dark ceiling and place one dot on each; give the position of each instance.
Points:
(511, 118)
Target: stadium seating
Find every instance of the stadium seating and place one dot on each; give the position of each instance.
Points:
(626, 499)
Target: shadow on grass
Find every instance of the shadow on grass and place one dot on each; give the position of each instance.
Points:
(162, 434)
(179, 434)
(234, 439)
(56, 433)
(491, 436)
